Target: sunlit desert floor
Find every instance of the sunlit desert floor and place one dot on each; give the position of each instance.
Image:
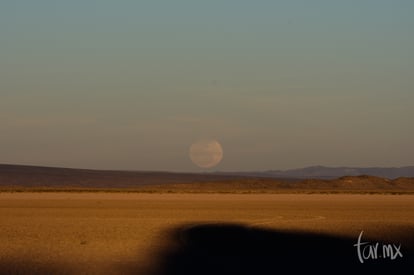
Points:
(120, 233)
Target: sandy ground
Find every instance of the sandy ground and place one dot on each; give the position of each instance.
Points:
(95, 233)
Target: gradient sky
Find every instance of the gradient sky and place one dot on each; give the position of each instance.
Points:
(281, 84)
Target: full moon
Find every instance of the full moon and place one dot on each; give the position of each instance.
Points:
(206, 153)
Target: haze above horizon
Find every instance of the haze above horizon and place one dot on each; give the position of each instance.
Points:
(280, 84)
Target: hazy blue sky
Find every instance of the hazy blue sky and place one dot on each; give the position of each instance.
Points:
(281, 84)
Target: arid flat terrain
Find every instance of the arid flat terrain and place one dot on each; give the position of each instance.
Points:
(137, 233)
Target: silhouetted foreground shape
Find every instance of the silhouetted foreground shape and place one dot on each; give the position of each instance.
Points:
(237, 249)
(218, 249)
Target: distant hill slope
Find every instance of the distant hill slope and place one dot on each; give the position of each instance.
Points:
(323, 172)
(32, 176)
(20, 177)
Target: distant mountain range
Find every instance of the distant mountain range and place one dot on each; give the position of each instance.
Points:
(323, 172)
(38, 176)
(311, 179)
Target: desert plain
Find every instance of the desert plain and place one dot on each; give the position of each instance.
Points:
(140, 233)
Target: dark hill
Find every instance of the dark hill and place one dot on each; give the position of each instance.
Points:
(20, 177)
(35, 176)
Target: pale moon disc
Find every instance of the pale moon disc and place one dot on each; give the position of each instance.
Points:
(206, 153)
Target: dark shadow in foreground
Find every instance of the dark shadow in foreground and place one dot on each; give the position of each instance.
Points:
(238, 249)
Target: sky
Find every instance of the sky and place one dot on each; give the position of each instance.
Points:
(280, 84)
